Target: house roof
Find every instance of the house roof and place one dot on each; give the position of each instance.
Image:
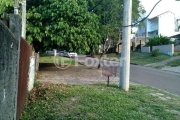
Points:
(160, 15)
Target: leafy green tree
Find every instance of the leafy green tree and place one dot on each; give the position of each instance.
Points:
(65, 23)
(6, 6)
(61, 24)
(111, 16)
(74, 25)
(159, 40)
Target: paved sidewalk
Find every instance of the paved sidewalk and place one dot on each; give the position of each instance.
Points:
(163, 63)
(172, 69)
(164, 67)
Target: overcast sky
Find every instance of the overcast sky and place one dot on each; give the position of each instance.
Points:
(163, 6)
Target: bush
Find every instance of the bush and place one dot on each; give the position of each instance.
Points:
(159, 40)
(36, 83)
(155, 53)
(138, 47)
(176, 53)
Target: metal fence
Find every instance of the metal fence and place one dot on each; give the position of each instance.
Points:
(9, 62)
(23, 75)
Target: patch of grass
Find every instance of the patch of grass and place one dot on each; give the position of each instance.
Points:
(174, 63)
(158, 67)
(88, 102)
(37, 83)
(145, 58)
(176, 53)
(59, 59)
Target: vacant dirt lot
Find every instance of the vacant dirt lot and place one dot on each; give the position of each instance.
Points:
(73, 75)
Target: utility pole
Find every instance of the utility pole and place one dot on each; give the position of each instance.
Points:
(16, 6)
(145, 31)
(125, 58)
(23, 34)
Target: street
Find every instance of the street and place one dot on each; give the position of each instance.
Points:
(160, 79)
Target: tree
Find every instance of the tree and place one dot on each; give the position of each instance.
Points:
(6, 6)
(110, 13)
(73, 25)
(64, 23)
(159, 40)
(61, 23)
(111, 16)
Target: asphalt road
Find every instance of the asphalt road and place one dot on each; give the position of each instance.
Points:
(160, 79)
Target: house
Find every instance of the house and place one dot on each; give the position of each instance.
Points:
(166, 24)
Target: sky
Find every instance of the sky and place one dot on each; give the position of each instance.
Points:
(163, 6)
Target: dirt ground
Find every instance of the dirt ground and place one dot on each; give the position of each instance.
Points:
(73, 75)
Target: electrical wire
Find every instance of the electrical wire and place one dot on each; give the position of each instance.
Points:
(137, 21)
(144, 17)
(96, 5)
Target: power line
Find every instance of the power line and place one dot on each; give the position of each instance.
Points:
(96, 5)
(144, 17)
(137, 21)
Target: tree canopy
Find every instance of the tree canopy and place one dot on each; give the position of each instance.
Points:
(77, 25)
(64, 23)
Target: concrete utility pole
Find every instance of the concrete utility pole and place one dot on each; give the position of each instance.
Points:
(16, 6)
(23, 34)
(125, 58)
(145, 30)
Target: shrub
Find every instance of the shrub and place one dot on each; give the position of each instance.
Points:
(159, 40)
(176, 53)
(36, 83)
(138, 47)
(155, 53)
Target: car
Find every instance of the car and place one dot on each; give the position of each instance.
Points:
(61, 53)
(51, 53)
(72, 54)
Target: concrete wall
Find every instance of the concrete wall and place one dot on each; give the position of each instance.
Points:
(9, 67)
(145, 49)
(177, 48)
(166, 49)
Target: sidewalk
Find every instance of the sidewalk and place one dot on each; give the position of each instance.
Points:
(164, 67)
(163, 63)
(172, 69)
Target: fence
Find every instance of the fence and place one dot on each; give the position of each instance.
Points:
(166, 49)
(9, 62)
(23, 75)
(145, 49)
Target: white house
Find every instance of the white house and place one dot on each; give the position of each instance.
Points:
(166, 24)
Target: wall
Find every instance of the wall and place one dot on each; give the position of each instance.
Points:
(167, 24)
(23, 75)
(166, 49)
(177, 48)
(145, 49)
(9, 67)
(152, 24)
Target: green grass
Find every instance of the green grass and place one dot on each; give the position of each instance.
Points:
(51, 59)
(145, 58)
(138, 58)
(174, 63)
(36, 83)
(98, 102)
(176, 53)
